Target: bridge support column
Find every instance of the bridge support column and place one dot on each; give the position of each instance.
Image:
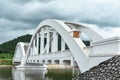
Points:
(55, 42)
(31, 51)
(72, 62)
(52, 62)
(61, 62)
(42, 41)
(62, 44)
(37, 43)
(46, 61)
(48, 40)
(34, 48)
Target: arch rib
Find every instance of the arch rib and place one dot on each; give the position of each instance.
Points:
(94, 36)
(76, 49)
(20, 46)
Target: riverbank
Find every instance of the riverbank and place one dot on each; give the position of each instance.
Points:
(5, 66)
(5, 61)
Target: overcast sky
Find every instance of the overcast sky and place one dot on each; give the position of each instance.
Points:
(20, 17)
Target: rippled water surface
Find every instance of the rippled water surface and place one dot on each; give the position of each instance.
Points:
(56, 74)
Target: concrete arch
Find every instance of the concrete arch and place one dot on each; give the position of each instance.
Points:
(75, 45)
(19, 52)
(93, 35)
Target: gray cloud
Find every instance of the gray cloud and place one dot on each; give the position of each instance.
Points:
(9, 35)
(6, 25)
(99, 13)
(26, 1)
(26, 14)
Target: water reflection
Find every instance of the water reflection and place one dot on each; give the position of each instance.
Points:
(28, 74)
(5, 74)
(51, 74)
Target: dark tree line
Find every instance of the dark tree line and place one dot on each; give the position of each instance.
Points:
(9, 47)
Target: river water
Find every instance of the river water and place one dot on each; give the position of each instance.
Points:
(51, 74)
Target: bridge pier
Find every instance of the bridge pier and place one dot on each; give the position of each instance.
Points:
(52, 62)
(72, 62)
(61, 62)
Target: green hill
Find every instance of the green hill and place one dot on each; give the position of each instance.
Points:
(9, 47)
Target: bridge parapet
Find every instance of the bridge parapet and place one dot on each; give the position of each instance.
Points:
(110, 46)
(103, 50)
(51, 57)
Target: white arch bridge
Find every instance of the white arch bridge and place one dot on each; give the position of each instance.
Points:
(58, 42)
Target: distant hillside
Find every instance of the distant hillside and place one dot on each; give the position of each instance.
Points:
(9, 47)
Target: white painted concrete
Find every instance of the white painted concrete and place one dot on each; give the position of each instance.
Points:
(86, 57)
(20, 52)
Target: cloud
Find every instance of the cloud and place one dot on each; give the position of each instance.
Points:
(8, 25)
(103, 13)
(27, 14)
(111, 32)
(9, 35)
(106, 32)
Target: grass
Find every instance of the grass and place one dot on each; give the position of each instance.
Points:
(6, 56)
(5, 62)
(6, 59)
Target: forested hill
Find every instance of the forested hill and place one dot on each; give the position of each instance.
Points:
(9, 47)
